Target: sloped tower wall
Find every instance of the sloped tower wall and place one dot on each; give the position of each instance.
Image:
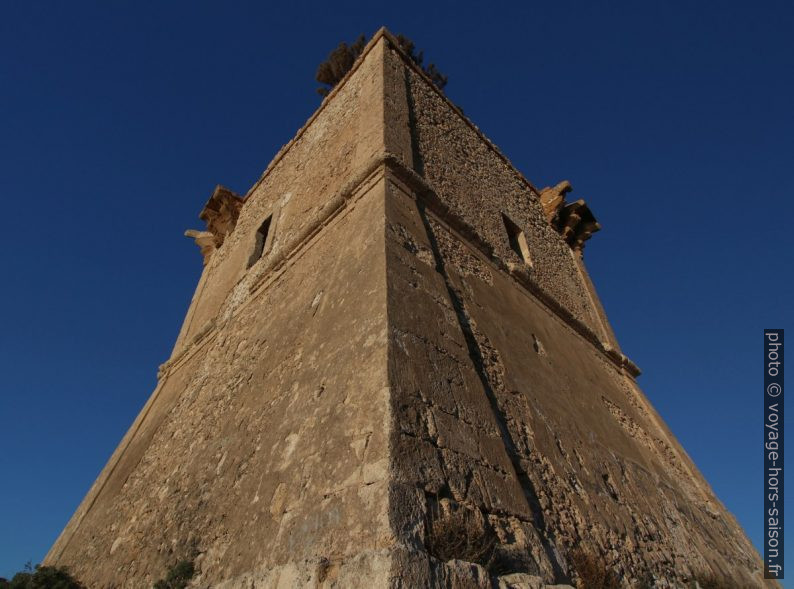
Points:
(511, 395)
(264, 448)
(370, 365)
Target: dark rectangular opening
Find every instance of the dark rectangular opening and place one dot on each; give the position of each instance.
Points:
(261, 241)
(518, 241)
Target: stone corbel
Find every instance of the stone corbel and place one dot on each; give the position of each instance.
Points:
(553, 199)
(205, 240)
(220, 214)
(574, 221)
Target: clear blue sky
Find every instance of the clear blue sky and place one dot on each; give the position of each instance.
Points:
(674, 120)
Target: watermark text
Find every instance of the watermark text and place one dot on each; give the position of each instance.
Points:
(773, 453)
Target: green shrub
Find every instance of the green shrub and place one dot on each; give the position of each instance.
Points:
(430, 70)
(178, 576)
(340, 60)
(42, 577)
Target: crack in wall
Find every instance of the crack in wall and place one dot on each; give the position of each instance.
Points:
(476, 353)
(478, 357)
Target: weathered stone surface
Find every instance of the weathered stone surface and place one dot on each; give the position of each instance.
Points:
(221, 212)
(367, 354)
(520, 581)
(574, 221)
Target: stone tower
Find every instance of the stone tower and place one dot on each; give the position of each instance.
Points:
(395, 372)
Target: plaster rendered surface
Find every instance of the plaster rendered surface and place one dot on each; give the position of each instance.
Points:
(390, 361)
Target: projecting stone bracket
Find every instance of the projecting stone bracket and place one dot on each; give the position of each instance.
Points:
(220, 214)
(574, 221)
(205, 240)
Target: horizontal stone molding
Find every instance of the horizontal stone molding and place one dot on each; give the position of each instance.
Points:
(371, 172)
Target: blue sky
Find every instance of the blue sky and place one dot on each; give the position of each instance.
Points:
(673, 119)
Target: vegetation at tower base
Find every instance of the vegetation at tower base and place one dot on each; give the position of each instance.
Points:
(178, 576)
(42, 577)
(592, 572)
(340, 60)
(458, 533)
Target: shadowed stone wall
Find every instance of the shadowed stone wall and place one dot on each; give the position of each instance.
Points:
(503, 408)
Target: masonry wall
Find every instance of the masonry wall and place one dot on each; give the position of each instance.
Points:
(302, 184)
(447, 444)
(478, 185)
(266, 438)
(388, 362)
(263, 450)
(503, 409)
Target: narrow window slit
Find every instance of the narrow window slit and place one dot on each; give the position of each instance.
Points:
(518, 241)
(261, 241)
